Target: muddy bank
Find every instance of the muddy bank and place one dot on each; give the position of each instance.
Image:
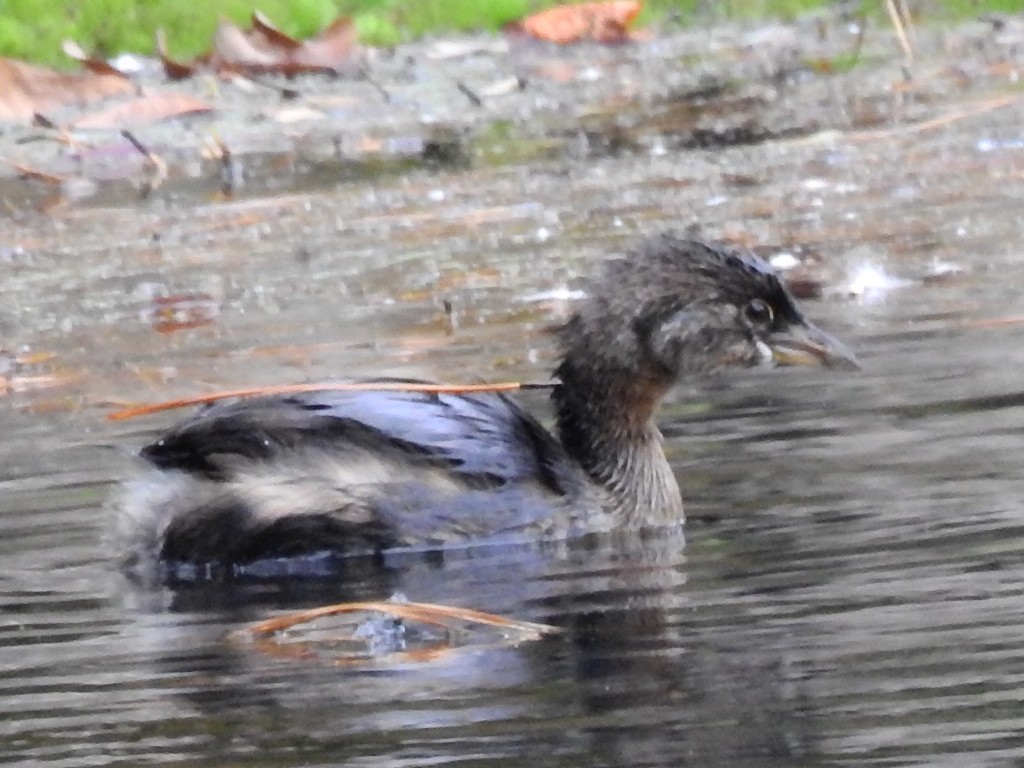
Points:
(494, 101)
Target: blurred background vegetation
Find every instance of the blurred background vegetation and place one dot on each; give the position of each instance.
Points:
(34, 30)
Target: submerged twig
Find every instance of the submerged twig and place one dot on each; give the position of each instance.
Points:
(33, 173)
(156, 164)
(938, 122)
(364, 74)
(427, 613)
(469, 94)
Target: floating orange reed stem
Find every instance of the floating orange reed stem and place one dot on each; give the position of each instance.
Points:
(291, 389)
(427, 613)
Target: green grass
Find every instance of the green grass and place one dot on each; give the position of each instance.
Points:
(33, 30)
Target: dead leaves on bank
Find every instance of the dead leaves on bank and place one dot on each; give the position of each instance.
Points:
(98, 97)
(27, 90)
(264, 49)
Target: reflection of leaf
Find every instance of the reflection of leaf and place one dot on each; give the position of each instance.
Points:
(602, 22)
(29, 383)
(180, 312)
(26, 89)
(18, 374)
(150, 108)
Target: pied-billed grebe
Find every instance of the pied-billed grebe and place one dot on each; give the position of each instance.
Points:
(355, 472)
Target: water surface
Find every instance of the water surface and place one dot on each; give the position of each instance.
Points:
(850, 590)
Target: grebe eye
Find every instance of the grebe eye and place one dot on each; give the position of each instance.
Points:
(759, 312)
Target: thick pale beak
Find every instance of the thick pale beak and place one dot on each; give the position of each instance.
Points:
(806, 344)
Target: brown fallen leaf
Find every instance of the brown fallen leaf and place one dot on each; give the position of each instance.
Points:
(98, 66)
(26, 89)
(275, 37)
(264, 49)
(234, 49)
(176, 70)
(146, 109)
(331, 49)
(601, 22)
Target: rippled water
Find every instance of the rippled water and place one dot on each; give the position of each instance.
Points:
(851, 588)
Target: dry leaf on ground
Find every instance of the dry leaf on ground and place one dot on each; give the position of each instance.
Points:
(98, 66)
(176, 70)
(144, 110)
(602, 22)
(26, 89)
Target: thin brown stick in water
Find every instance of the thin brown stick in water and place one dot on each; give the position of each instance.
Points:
(142, 149)
(996, 322)
(937, 122)
(293, 389)
(33, 173)
(427, 613)
(157, 165)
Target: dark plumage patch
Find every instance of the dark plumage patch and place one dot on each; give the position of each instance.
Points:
(483, 439)
(230, 533)
(667, 272)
